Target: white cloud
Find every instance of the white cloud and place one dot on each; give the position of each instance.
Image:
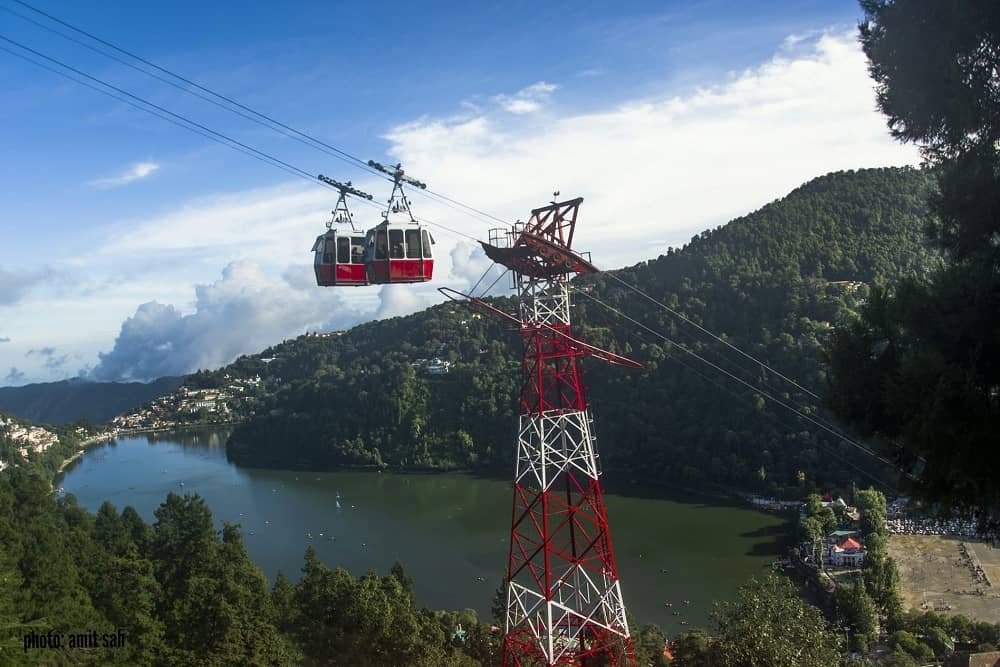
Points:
(665, 167)
(527, 100)
(473, 271)
(136, 172)
(242, 312)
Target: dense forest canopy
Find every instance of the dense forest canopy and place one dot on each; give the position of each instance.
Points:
(774, 283)
(921, 369)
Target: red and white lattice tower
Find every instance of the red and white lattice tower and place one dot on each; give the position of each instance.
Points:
(564, 600)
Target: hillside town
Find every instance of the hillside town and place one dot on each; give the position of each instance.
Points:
(186, 405)
(24, 440)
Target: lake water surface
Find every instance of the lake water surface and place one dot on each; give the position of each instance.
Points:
(447, 530)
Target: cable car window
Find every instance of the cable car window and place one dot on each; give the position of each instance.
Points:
(381, 245)
(330, 250)
(427, 243)
(413, 244)
(396, 243)
(357, 250)
(343, 250)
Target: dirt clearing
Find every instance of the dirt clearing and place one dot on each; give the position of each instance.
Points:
(948, 574)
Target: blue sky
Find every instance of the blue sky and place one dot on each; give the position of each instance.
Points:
(127, 237)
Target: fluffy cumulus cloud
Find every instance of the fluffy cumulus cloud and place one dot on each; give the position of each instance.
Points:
(136, 172)
(242, 312)
(398, 300)
(663, 168)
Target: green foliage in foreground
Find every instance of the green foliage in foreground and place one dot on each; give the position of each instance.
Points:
(185, 594)
(774, 283)
(768, 625)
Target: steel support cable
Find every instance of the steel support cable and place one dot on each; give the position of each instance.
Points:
(472, 291)
(174, 84)
(493, 284)
(680, 315)
(800, 413)
(361, 163)
(251, 114)
(156, 106)
(179, 123)
(183, 122)
(743, 398)
(724, 342)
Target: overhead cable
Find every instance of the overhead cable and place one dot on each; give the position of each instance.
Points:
(740, 380)
(240, 109)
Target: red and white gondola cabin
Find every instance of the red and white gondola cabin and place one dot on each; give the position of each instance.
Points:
(340, 258)
(399, 252)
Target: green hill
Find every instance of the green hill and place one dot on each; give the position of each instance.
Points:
(72, 400)
(773, 283)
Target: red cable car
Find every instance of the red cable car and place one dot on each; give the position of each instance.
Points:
(396, 250)
(340, 254)
(340, 258)
(399, 251)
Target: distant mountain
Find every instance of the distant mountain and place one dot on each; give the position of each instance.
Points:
(775, 282)
(75, 399)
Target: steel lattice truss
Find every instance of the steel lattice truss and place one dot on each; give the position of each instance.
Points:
(564, 600)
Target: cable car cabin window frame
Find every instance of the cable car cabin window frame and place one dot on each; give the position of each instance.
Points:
(381, 250)
(396, 249)
(330, 249)
(343, 250)
(357, 250)
(412, 237)
(427, 241)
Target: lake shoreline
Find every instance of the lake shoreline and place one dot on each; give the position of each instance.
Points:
(443, 526)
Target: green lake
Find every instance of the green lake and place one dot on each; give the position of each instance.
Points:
(447, 530)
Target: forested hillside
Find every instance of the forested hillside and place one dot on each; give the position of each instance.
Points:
(774, 283)
(73, 400)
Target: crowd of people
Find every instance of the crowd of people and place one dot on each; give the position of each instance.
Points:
(908, 525)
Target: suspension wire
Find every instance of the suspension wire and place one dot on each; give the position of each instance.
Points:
(242, 110)
(184, 122)
(680, 315)
(749, 385)
(818, 407)
(261, 157)
(126, 93)
(792, 429)
(448, 229)
(493, 284)
(472, 292)
(176, 85)
(344, 155)
(455, 205)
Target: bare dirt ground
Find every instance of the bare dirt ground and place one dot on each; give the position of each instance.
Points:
(936, 574)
